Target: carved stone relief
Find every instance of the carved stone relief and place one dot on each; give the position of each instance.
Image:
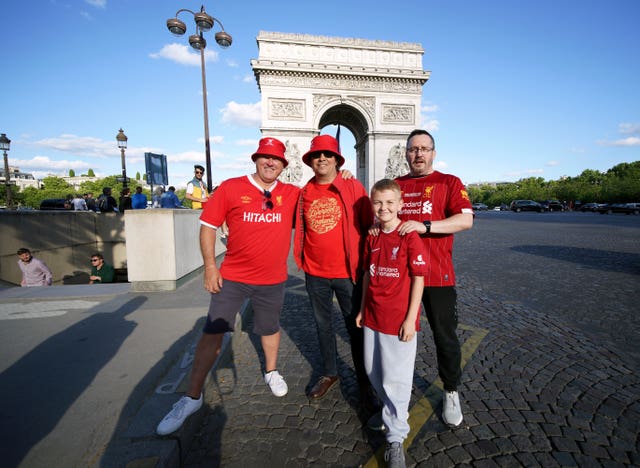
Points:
(397, 114)
(286, 109)
(292, 174)
(396, 163)
(348, 83)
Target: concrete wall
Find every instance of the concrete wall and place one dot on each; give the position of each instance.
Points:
(163, 246)
(64, 240)
(158, 248)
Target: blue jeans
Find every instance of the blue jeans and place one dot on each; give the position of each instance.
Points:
(321, 291)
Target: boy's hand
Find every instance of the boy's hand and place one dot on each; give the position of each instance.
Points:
(359, 320)
(407, 330)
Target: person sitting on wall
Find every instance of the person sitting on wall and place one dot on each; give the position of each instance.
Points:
(101, 272)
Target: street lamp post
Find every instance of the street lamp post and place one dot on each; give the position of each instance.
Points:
(204, 22)
(4, 146)
(122, 144)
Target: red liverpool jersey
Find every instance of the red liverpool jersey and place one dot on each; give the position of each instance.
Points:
(430, 198)
(392, 260)
(259, 231)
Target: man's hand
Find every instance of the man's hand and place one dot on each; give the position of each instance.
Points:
(411, 226)
(212, 279)
(346, 174)
(359, 320)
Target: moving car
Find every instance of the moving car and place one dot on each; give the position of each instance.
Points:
(525, 205)
(553, 205)
(626, 208)
(589, 207)
(479, 207)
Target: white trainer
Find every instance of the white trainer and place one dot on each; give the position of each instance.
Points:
(181, 410)
(276, 383)
(451, 411)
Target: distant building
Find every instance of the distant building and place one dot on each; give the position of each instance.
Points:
(76, 181)
(21, 180)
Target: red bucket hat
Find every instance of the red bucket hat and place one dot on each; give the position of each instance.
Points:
(271, 147)
(324, 144)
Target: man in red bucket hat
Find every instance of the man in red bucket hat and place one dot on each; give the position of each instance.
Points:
(334, 215)
(259, 211)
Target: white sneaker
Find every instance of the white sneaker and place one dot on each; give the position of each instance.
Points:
(181, 410)
(276, 383)
(451, 411)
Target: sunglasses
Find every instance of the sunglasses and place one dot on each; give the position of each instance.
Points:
(199, 172)
(267, 204)
(95, 259)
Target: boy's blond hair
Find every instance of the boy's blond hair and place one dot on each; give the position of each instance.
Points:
(386, 184)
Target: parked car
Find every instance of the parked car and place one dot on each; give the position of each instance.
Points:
(479, 207)
(589, 207)
(553, 205)
(55, 204)
(626, 208)
(525, 205)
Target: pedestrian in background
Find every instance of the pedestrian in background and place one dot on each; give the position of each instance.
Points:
(34, 272)
(436, 206)
(125, 200)
(79, 203)
(169, 199)
(390, 314)
(138, 199)
(196, 189)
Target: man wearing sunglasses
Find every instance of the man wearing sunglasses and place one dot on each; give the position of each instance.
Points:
(334, 214)
(259, 211)
(101, 272)
(196, 189)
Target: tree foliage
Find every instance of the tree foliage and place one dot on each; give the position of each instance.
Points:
(620, 184)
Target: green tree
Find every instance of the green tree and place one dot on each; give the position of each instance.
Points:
(138, 175)
(90, 173)
(72, 173)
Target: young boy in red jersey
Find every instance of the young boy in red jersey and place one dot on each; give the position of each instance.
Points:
(390, 314)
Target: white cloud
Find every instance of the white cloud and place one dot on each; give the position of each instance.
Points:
(248, 79)
(97, 3)
(552, 163)
(232, 63)
(216, 139)
(629, 128)
(242, 115)
(431, 125)
(630, 141)
(184, 54)
(427, 121)
(86, 146)
(247, 142)
(429, 108)
(440, 165)
(46, 165)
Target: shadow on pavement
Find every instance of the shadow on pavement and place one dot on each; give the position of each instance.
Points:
(38, 390)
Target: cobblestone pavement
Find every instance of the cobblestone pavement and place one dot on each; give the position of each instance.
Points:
(539, 388)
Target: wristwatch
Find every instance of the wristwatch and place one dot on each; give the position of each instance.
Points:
(427, 224)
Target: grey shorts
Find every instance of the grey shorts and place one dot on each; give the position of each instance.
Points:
(266, 301)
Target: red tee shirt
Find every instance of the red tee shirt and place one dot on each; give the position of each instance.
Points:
(323, 255)
(259, 237)
(430, 198)
(392, 259)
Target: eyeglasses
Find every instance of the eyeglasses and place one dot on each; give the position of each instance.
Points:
(419, 149)
(95, 259)
(199, 172)
(267, 204)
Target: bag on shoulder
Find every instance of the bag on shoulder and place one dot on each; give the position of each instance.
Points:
(103, 203)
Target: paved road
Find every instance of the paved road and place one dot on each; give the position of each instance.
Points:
(548, 326)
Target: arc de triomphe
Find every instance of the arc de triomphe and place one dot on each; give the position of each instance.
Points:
(373, 88)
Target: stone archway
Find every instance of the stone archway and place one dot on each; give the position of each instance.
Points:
(373, 88)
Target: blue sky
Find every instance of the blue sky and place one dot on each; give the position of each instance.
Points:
(517, 89)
